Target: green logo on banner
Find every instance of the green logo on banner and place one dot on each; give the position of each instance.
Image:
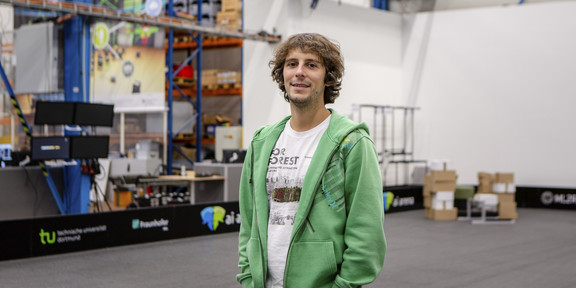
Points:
(388, 199)
(47, 237)
(100, 36)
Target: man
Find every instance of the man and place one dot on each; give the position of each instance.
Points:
(311, 189)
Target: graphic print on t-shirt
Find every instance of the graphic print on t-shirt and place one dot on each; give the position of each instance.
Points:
(284, 185)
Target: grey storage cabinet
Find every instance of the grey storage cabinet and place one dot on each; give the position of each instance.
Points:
(231, 171)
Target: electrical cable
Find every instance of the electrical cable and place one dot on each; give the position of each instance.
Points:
(35, 206)
(103, 176)
(104, 196)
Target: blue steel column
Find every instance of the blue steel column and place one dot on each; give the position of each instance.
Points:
(76, 79)
(381, 4)
(199, 89)
(169, 63)
(242, 74)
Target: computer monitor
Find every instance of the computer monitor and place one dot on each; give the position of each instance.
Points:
(74, 113)
(89, 147)
(48, 148)
(54, 113)
(92, 114)
(233, 155)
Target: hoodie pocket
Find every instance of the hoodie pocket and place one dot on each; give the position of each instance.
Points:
(311, 264)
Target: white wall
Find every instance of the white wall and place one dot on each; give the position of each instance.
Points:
(371, 43)
(497, 91)
(495, 85)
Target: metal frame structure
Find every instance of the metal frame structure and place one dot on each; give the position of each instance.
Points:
(383, 130)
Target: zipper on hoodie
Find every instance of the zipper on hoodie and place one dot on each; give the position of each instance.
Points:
(261, 247)
(309, 225)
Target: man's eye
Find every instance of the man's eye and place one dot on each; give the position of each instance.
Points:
(291, 64)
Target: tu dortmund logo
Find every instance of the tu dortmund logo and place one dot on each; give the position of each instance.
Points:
(47, 237)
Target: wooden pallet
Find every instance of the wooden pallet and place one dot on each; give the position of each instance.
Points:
(183, 81)
(221, 86)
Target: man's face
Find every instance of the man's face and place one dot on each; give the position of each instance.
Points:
(304, 75)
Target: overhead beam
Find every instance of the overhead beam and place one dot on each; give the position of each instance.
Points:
(167, 22)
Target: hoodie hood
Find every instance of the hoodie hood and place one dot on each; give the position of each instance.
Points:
(334, 133)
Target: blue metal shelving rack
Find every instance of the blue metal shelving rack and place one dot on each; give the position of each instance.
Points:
(76, 35)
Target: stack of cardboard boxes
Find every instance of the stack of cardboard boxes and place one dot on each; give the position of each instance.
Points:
(501, 185)
(439, 187)
(230, 16)
(188, 9)
(215, 78)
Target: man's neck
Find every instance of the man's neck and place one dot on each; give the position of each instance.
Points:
(304, 120)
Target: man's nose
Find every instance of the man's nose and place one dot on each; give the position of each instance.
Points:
(300, 71)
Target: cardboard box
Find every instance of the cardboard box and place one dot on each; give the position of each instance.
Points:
(442, 215)
(485, 182)
(210, 77)
(504, 178)
(431, 185)
(446, 175)
(427, 201)
(507, 210)
(484, 176)
(229, 77)
(508, 197)
(231, 5)
(230, 19)
(484, 188)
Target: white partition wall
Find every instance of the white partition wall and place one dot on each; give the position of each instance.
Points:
(497, 91)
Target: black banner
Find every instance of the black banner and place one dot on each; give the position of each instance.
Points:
(402, 198)
(61, 234)
(553, 198)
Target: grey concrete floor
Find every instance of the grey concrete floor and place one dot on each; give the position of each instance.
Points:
(537, 251)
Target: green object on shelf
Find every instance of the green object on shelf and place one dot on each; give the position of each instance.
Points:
(464, 192)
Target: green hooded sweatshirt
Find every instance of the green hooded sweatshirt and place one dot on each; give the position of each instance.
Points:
(338, 236)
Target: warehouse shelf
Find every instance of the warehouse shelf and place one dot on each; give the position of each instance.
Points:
(167, 22)
(218, 37)
(209, 43)
(192, 140)
(135, 138)
(195, 43)
(190, 90)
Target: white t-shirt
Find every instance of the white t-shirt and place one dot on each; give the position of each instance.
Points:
(286, 170)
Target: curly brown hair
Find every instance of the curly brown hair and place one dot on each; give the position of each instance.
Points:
(327, 50)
